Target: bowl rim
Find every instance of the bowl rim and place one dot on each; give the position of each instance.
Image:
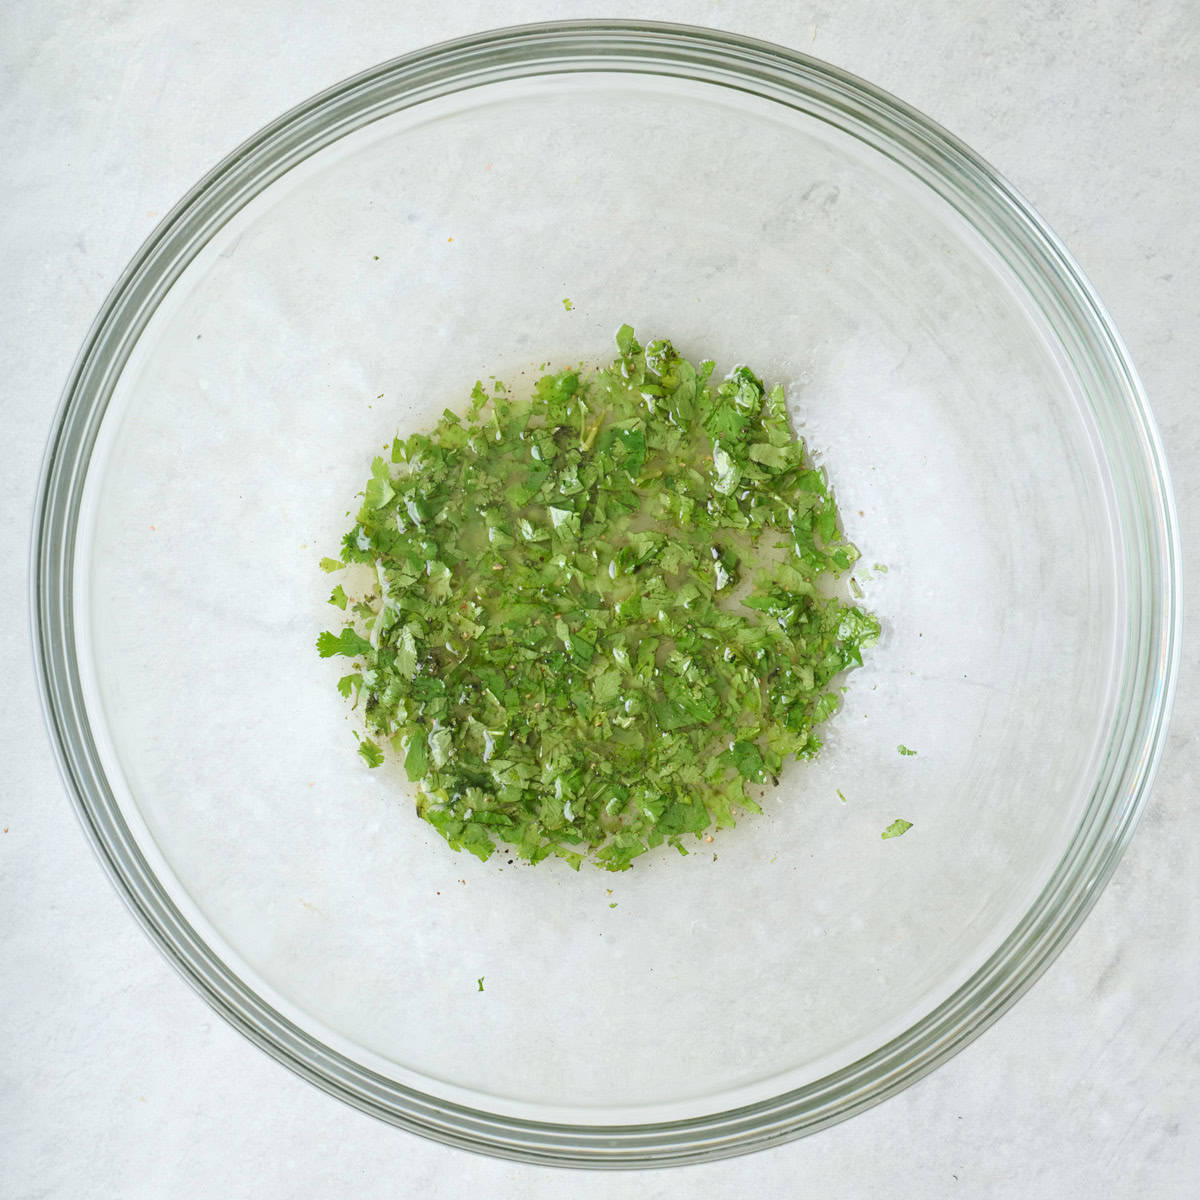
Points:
(1147, 515)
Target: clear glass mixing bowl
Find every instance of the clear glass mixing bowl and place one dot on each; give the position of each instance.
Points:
(349, 272)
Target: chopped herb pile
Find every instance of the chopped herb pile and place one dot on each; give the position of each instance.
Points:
(597, 620)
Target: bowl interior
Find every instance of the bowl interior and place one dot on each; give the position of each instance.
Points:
(365, 291)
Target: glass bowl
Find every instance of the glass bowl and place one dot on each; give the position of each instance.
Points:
(352, 270)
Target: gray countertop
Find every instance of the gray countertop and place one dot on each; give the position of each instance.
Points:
(118, 1080)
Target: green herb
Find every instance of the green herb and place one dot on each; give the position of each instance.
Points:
(568, 304)
(896, 828)
(603, 618)
(331, 564)
(479, 982)
(338, 597)
(840, 796)
(347, 642)
(906, 751)
(371, 753)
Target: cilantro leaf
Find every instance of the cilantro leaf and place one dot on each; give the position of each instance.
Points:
(747, 760)
(371, 753)
(379, 487)
(405, 662)
(347, 642)
(729, 474)
(349, 684)
(896, 828)
(416, 761)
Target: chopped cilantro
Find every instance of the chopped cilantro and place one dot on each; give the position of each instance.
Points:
(896, 828)
(604, 613)
(332, 564)
(568, 304)
(338, 597)
(479, 982)
(906, 751)
(840, 796)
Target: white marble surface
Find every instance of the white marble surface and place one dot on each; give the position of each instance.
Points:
(116, 1080)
